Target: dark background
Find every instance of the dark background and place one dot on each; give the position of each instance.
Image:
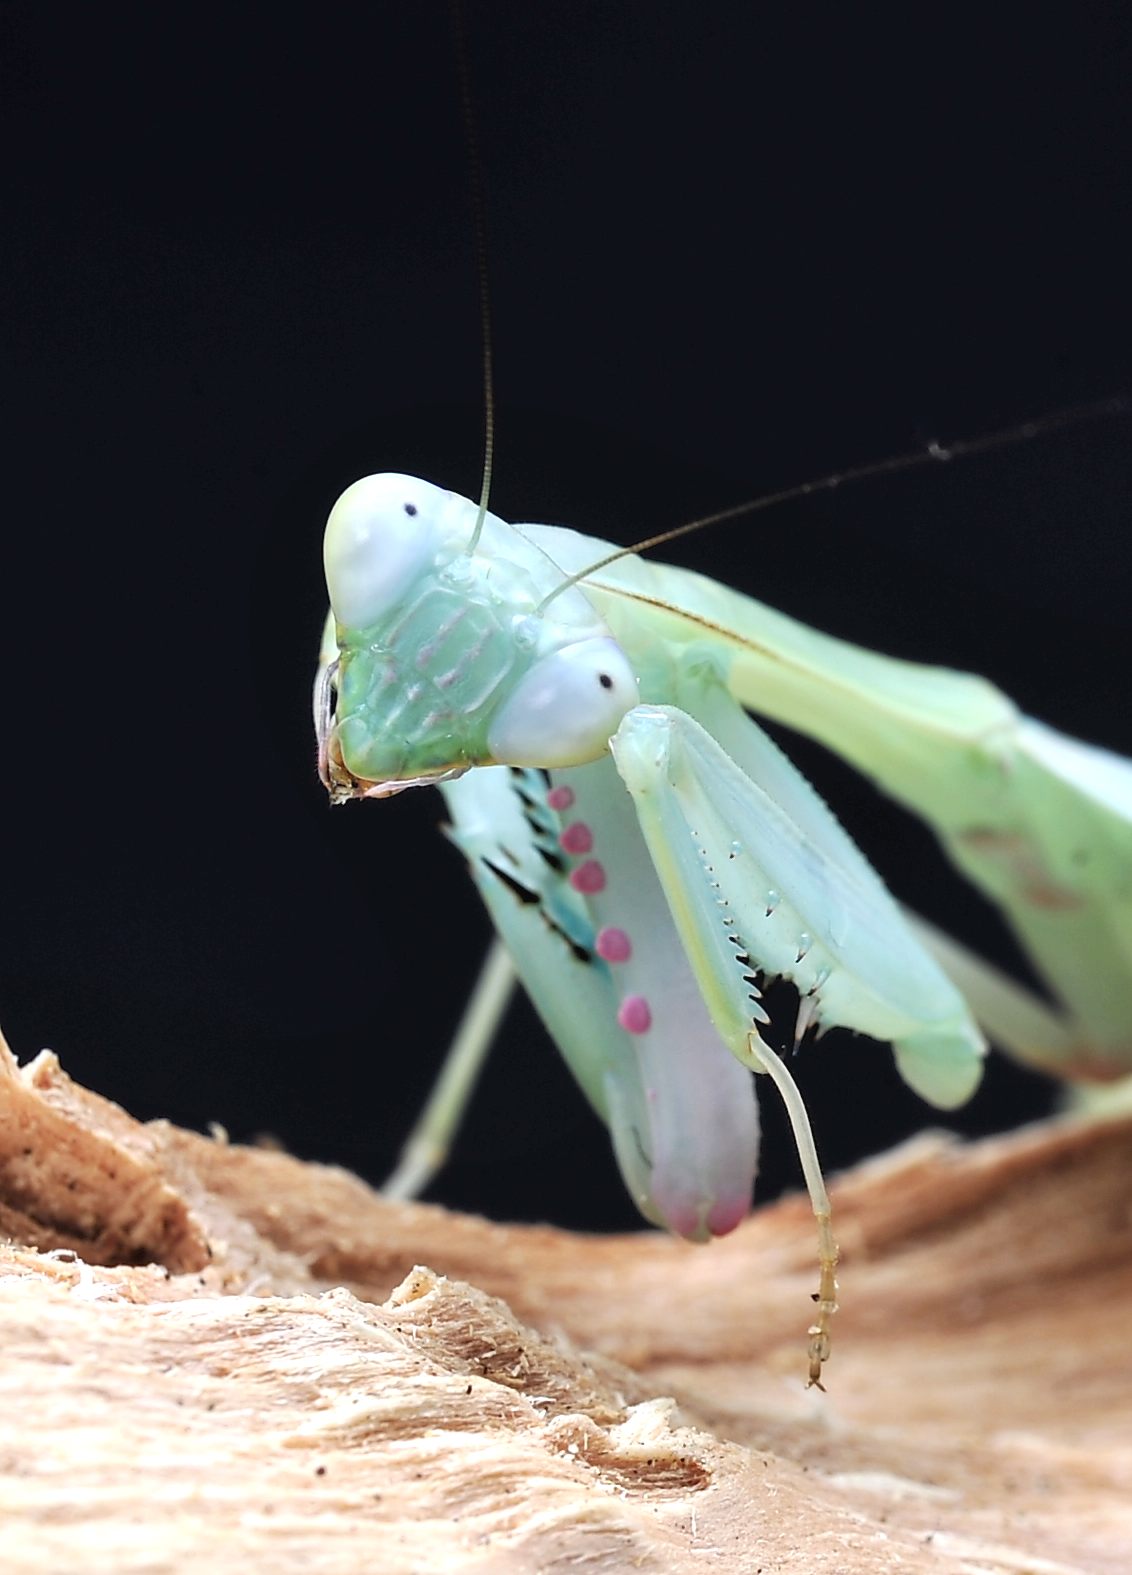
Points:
(728, 251)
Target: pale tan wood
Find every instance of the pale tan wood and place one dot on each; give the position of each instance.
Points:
(219, 1356)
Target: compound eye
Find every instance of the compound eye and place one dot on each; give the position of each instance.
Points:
(565, 710)
(380, 537)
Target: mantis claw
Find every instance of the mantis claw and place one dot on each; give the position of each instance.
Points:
(826, 1299)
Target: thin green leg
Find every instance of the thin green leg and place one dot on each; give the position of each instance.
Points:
(1013, 1016)
(428, 1145)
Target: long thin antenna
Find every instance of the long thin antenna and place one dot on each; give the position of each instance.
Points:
(932, 453)
(479, 234)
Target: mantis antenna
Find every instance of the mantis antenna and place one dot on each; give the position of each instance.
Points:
(931, 453)
(479, 233)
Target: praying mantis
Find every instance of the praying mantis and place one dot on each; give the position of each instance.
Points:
(649, 857)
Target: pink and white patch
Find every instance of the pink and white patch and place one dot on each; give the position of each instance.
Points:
(613, 945)
(588, 878)
(576, 838)
(726, 1214)
(634, 1015)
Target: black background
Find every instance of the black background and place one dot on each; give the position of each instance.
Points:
(728, 251)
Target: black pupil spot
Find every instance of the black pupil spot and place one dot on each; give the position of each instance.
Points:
(411, 509)
(605, 681)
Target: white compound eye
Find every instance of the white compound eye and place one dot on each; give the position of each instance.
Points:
(381, 535)
(565, 710)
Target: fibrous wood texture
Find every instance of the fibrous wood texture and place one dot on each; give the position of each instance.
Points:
(219, 1357)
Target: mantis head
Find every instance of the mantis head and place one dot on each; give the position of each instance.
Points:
(444, 659)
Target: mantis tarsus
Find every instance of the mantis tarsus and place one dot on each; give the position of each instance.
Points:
(648, 855)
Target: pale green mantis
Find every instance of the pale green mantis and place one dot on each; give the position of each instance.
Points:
(649, 856)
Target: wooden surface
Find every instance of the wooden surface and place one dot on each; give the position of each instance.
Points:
(219, 1357)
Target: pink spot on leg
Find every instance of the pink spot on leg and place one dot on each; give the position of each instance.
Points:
(613, 945)
(588, 877)
(560, 797)
(577, 838)
(684, 1220)
(634, 1016)
(726, 1213)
